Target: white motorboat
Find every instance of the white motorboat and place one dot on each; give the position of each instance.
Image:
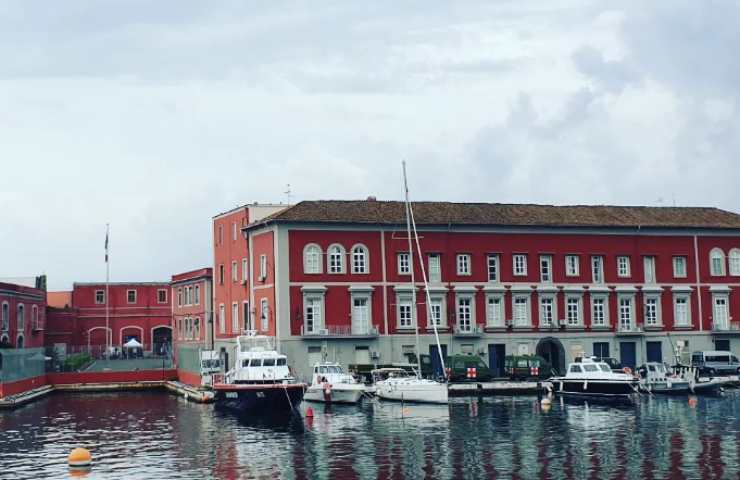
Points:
(591, 378)
(656, 378)
(331, 384)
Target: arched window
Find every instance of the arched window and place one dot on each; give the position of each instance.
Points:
(312, 258)
(5, 317)
(20, 318)
(735, 262)
(336, 259)
(359, 259)
(717, 262)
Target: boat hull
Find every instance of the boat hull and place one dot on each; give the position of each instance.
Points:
(339, 394)
(667, 388)
(259, 398)
(594, 388)
(430, 392)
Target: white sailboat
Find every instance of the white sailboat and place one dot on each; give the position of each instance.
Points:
(406, 387)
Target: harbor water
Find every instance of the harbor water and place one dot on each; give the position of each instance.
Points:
(156, 435)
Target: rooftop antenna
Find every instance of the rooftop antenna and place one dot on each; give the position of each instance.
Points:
(288, 193)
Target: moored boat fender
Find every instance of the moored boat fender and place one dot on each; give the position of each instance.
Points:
(627, 370)
(585, 384)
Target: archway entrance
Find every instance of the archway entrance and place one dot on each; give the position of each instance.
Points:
(162, 340)
(553, 351)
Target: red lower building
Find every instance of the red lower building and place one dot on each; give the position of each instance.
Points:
(192, 321)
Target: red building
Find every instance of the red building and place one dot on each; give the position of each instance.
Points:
(192, 320)
(503, 279)
(22, 315)
(140, 310)
(243, 296)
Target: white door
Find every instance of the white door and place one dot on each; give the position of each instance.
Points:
(720, 313)
(360, 316)
(362, 355)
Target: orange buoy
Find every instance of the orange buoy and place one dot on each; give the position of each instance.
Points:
(79, 457)
(693, 401)
(309, 412)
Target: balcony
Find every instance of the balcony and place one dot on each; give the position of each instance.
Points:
(37, 326)
(728, 328)
(472, 331)
(548, 327)
(627, 330)
(340, 331)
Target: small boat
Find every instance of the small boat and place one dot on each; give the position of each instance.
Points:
(401, 385)
(331, 384)
(655, 377)
(587, 377)
(260, 380)
(698, 385)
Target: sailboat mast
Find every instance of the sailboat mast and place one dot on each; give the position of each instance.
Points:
(414, 317)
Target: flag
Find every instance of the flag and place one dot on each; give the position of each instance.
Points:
(106, 244)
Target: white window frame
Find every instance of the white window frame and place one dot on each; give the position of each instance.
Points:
(128, 297)
(680, 266)
(179, 297)
(245, 270)
(570, 320)
(546, 269)
(264, 315)
(648, 319)
(102, 295)
(355, 321)
(597, 269)
(312, 263)
(235, 318)
(335, 259)
(20, 317)
(234, 271)
(360, 259)
(465, 312)
(604, 300)
(517, 321)
(5, 317)
(630, 311)
(437, 301)
(435, 267)
(519, 264)
(463, 262)
(222, 319)
(734, 262)
(317, 323)
(404, 301)
(495, 312)
(263, 267)
(403, 261)
(247, 316)
(159, 291)
(572, 265)
(648, 269)
(717, 262)
(552, 301)
(624, 268)
(685, 297)
(493, 268)
(197, 294)
(722, 323)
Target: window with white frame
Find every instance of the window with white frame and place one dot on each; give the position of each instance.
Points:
(197, 294)
(359, 259)
(573, 311)
(5, 317)
(405, 311)
(623, 266)
(681, 310)
(263, 267)
(131, 296)
(20, 318)
(245, 270)
(162, 295)
(312, 313)
(495, 311)
(463, 264)
(571, 265)
(679, 267)
(521, 310)
(222, 319)
(264, 315)
(247, 318)
(717, 262)
(234, 272)
(652, 311)
(404, 263)
(520, 264)
(465, 313)
(235, 317)
(493, 268)
(187, 295)
(599, 311)
(625, 313)
(233, 231)
(597, 269)
(99, 297)
(312, 259)
(648, 263)
(34, 316)
(547, 311)
(179, 297)
(435, 268)
(719, 312)
(360, 314)
(436, 310)
(336, 259)
(196, 328)
(735, 262)
(546, 268)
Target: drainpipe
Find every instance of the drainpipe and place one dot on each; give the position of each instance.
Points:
(698, 282)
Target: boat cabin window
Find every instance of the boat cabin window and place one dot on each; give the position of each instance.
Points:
(575, 369)
(256, 362)
(604, 367)
(281, 362)
(651, 368)
(590, 367)
(330, 369)
(245, 363)
(696, 358)
(268, 362)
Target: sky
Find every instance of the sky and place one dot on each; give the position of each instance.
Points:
(156, 116)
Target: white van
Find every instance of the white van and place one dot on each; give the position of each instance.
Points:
(716, 362)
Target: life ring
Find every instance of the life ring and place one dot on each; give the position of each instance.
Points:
(627, 370)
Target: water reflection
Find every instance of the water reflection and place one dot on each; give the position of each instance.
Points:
(149, 435)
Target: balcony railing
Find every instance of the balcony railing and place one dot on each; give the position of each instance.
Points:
(467, 331)
(733, 327)
(339, 331)
(630, 329)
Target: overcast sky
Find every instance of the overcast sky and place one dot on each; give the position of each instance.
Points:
(155, 116)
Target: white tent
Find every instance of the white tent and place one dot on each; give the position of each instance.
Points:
(133, 343)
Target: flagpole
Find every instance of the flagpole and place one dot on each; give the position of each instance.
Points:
(108, 334)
